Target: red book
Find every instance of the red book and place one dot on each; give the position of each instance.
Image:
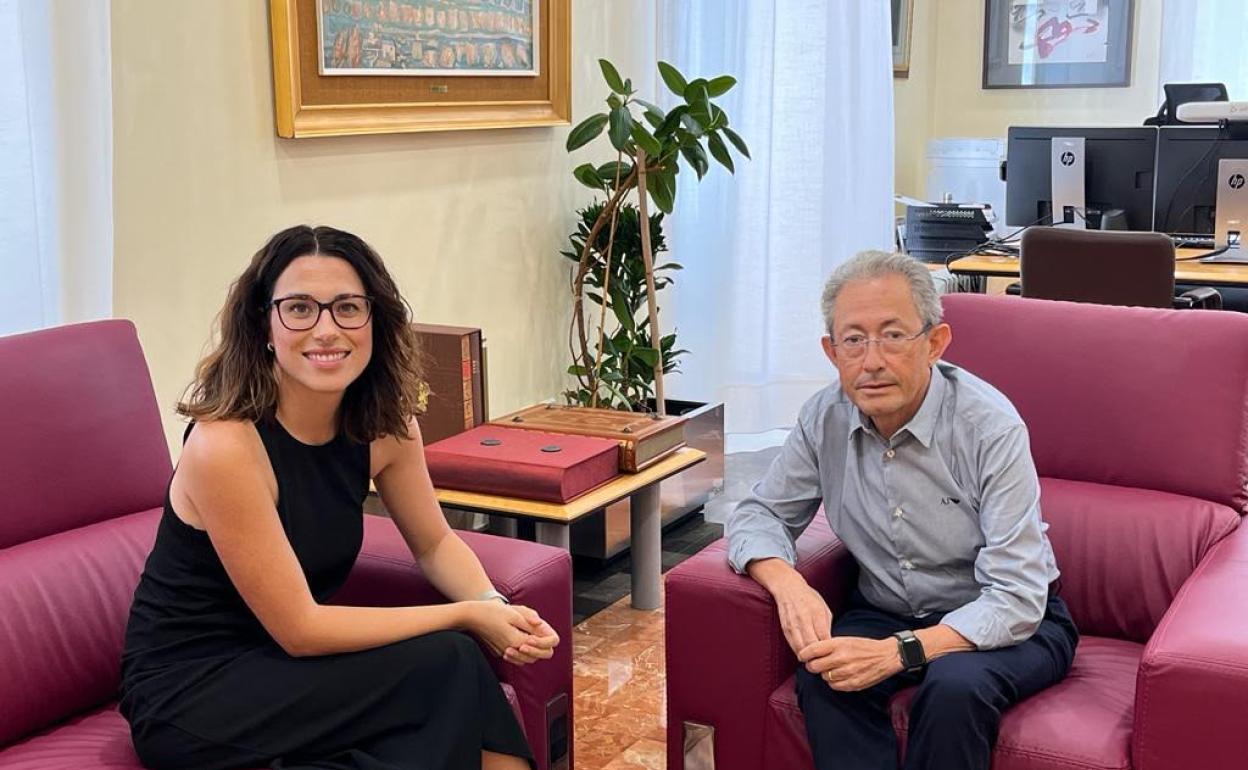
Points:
(527, 464)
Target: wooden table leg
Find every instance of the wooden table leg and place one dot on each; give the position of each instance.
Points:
(552, 533)
(646, 546)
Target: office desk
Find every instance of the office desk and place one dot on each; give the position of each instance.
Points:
(1184, 271)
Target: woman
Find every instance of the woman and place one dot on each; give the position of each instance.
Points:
(233, 657)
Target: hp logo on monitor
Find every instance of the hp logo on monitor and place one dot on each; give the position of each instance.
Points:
(1068, 158)
(1236, 181)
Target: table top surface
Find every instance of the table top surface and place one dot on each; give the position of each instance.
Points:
(565, 513)
(1186, 269)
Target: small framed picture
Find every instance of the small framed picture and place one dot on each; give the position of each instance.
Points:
(1057, 43)
(902, 11)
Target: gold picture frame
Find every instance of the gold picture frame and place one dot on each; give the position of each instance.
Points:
(309, 104)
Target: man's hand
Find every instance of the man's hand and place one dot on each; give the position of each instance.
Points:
(852, 663)
(804, 615)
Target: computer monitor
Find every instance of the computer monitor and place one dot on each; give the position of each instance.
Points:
(1187, 175)
(1119, 174)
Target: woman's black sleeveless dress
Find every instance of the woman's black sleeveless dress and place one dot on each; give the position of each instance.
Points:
(205, 686)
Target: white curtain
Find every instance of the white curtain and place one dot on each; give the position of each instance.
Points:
(814, 102)
(1204, 41)
(55, 163)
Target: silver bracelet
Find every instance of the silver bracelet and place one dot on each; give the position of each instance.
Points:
(493, 594)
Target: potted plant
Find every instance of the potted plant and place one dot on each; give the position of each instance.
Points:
(615, 281)
(624, 367)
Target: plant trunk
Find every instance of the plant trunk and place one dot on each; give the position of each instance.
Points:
(648, 258)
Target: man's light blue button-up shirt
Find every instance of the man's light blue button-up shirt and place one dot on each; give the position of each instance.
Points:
(942, 517)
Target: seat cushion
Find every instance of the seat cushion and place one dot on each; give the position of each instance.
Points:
(99, 740)
(1081, 723)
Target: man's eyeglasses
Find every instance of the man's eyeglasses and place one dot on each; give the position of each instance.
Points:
(299, 313)
(892, 343)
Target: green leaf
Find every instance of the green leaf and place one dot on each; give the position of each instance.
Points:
(628, 86)
(670, 266)
(646, 141)
(671, 121)
(720, 85)
(737, 141)
(662, 189)
(649, 106)
(720, 152)
(587, 175)
(612, 76)
(613, 101)
(622, 313)
(586, 131)
(607, 171)
(697, 158)
(621, 127)
(696, 92)
(672, 78)
(667, 341)
(719, 119)
(578, 371)
(648, 356)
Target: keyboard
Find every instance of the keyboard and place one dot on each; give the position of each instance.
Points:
(1192, 241)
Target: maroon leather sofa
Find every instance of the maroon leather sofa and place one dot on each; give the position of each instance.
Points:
(1138, 430)
(83, 472)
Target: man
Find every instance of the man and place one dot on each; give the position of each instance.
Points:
(925, 474)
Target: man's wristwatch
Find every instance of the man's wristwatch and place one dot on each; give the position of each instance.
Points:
(493, 594)
(913, 658)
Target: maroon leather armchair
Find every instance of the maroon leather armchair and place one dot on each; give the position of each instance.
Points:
(1138, 430)
(83, 473)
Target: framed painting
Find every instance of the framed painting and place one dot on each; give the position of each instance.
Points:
(1057, 43)
(386, 66)
(902, 12)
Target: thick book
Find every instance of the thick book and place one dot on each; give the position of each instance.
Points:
(520, 463)
(644, 439)
(454, 369)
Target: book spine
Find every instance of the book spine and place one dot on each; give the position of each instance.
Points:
(465, 359)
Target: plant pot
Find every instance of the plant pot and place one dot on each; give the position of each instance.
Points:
(605, 533)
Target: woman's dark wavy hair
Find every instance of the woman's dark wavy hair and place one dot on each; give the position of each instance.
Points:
(238, 380)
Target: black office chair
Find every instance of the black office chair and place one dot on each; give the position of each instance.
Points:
(1182, 93)
(1107, 268)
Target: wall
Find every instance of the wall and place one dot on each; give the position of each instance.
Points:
(949, 101)
(469, 222)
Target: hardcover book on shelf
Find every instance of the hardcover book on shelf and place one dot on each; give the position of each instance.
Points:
(644, 439)
(531, 465)
(454, 368)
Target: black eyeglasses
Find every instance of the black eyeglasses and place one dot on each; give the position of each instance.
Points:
(300, 313)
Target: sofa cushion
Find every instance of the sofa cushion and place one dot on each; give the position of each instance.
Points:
(82, 435)
(64, 600)
(1081, 723)
(98, 740)
(1137, 397)
(1125, 553)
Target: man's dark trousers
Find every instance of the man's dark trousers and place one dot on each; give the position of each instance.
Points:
(957, 710)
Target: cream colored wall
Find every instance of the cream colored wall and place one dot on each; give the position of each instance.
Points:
(949, 101)
(469, 222)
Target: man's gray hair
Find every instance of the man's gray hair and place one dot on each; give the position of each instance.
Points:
(868, 265)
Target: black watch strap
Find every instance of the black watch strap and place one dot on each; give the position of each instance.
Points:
(913, 657)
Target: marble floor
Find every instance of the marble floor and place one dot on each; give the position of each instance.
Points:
(619, 690)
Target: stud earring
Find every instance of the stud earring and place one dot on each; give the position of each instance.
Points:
(270, 347)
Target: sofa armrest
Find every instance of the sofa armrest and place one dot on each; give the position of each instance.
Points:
(534, 575)
(725, 650)
(1191, 692)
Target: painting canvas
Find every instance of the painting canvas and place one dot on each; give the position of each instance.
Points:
(1057, 43)
(1059, 31)
(428, 37)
